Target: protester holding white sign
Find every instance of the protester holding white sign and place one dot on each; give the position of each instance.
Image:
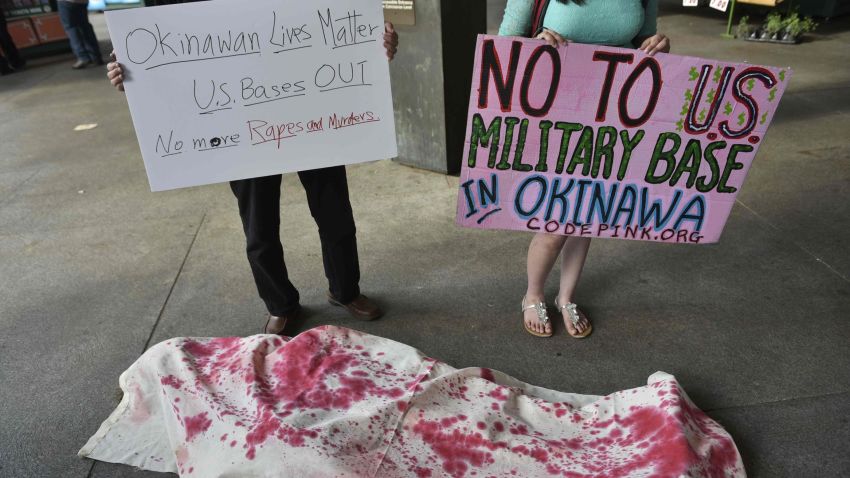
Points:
(151, 40)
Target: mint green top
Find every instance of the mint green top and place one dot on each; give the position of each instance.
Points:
(599, 22)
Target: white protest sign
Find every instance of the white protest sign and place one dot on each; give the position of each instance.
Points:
(690, 3)
(229, 89)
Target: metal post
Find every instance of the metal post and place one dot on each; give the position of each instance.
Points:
(728, 33)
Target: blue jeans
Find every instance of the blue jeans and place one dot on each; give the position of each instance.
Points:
(75, 20)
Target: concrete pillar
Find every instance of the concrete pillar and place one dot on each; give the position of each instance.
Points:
(431, 79)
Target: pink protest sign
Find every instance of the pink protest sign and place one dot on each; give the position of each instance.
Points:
(607, 142)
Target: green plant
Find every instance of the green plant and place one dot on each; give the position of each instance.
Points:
(807, 25)
(743, 29)
(774, 23)
(792, 24)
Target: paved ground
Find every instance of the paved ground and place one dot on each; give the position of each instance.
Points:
(94, 268)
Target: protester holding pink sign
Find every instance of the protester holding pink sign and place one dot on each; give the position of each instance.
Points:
(619, 23)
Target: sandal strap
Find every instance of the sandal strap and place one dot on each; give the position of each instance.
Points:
(572, 311)
(540, 308)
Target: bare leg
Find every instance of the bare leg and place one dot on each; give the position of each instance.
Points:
(572, 263)
(542, 252)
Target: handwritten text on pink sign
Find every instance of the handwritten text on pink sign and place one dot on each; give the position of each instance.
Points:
(606, 142)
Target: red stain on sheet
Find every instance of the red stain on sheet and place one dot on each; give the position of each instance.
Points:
(172, 382)
(140, 411)
(196, 425)
(303, 373)
(498, 394)
(457, 450)
(422, 472)
(312, 373)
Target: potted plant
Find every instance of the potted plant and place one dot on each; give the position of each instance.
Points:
(743, 30)
(791, 27)
(796, 27)
(772, 26)
(807, 25)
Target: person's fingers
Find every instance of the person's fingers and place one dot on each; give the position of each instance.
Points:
(390, 40)
(660, 46)
(557, 36)
(550, 39)
(112, 56)
(390, 48)
(648, 49)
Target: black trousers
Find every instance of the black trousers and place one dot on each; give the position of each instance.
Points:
(327, 196)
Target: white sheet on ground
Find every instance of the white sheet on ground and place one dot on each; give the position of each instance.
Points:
(335, 402)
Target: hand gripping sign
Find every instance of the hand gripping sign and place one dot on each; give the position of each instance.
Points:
(594, 141)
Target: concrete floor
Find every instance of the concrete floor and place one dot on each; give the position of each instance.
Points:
(94, 268)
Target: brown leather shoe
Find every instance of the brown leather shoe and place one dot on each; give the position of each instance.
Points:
(361, 307)
(277, 324)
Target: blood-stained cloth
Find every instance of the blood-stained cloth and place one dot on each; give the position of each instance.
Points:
(333, 402)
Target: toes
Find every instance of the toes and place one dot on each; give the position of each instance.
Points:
(535, 325)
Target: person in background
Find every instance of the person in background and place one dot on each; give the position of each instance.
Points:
(10, 59)
(74, 15)
(623, 23)
(259, 207)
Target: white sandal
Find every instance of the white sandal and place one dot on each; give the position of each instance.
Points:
(542, 316)
(572, 313)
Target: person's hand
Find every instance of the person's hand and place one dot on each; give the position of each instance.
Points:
(552, 38)
(390, 40)
(656, 43)
(114, 72)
